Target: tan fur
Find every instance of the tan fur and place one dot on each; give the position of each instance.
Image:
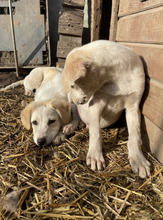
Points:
(103, 78)
(50, 114)
(26, 115)
(64, 110)
(76, 64)
(58, 110)
(50, 72)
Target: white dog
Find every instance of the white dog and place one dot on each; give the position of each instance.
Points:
(103, 78)
(49, 112)
(34, 79)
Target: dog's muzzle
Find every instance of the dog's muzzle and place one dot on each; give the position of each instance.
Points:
(41, 141)
(82, 101)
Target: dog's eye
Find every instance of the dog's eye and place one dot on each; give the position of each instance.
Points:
(51, 122)
(34, 122)
(34, 90)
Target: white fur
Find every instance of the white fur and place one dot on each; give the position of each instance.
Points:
(108, 78)
(35, 79)
(50, 89)
(43, 130)
(50, 105)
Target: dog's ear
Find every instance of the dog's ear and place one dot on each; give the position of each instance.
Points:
(81, 68)
(26, 115)
(73, 71)
(64, 110)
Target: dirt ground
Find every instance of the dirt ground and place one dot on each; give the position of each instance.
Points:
(7, 77)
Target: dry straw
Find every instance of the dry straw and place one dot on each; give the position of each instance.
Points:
(54, 182)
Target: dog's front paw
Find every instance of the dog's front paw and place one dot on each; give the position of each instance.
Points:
(81, 125)
(95, 160)
(69, 129)
(59, 138)
(140, 165)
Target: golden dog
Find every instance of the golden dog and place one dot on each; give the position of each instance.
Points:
(50, 114)
(103, 78)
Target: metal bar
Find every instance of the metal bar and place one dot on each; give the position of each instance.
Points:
(13, 38)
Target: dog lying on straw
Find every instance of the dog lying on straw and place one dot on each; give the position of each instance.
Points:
(34, 79)
(50, 112)
(103, 78)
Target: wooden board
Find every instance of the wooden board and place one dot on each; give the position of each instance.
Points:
(73, 3)
(145, 27)
(153, 102)
(152, 138)
(95, 19)
(127, 7)
(64, 47)
(153, 57)
(70, 39)
(114, 20)
(71, 22)
(61, 62)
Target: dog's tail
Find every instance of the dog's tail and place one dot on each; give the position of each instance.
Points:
(13, 85)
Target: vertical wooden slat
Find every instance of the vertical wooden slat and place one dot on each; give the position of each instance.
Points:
(114, 20)
(70, 28)
(138, 25)
(96, 8)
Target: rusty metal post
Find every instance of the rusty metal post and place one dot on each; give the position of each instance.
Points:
(13, 38)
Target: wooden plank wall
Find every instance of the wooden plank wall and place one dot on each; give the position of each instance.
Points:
(96, 7)
(139, 25)
(70, 28)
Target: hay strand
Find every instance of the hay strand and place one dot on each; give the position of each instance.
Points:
(55, 183)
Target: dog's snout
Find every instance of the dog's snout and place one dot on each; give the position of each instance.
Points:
(41, 141)
(83, 100)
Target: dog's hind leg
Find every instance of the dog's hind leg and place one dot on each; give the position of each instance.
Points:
(137, 160)
(13, 85)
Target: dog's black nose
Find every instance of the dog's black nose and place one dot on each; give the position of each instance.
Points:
(41, 141)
